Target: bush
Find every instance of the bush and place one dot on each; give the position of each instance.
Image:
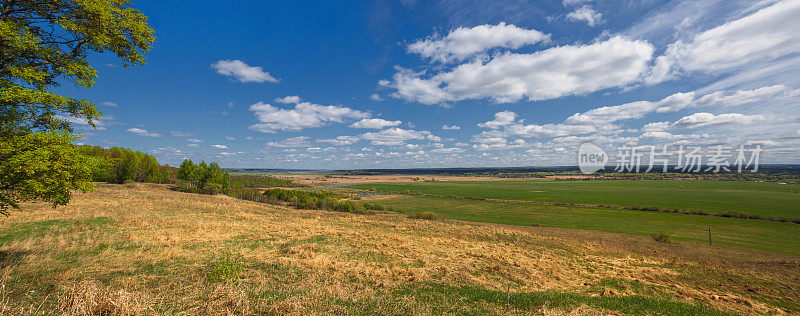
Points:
(226, 268)
(425, 215)
(662, 238)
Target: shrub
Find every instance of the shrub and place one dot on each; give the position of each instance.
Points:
(225, 268)
(662, 238)
(425, 215)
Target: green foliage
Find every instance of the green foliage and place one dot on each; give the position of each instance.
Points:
(262, 181)
(227, 267)
(44, 166)
(42, 44)
(425, 215)
(315, 200)
(203, 178)
(46, 42)
(662, 238)
(119, 165)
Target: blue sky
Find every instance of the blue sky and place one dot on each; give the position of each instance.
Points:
(390, 84)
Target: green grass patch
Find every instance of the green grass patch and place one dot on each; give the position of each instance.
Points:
(470, 299)
(28, 230)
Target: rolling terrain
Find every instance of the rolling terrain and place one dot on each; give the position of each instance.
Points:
(144, 249)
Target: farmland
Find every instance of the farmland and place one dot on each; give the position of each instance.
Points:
(712, 197)
(756, 198)
(768, 236)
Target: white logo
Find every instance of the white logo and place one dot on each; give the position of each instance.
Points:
(591, 158)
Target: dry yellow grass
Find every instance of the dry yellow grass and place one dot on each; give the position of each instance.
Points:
(146, 250)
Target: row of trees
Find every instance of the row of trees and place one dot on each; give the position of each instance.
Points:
(120, 165)
(203, 178)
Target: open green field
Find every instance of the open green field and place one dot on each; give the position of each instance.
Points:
(757, 198)
(762, 235)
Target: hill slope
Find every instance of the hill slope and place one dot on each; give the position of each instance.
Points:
(145, 249)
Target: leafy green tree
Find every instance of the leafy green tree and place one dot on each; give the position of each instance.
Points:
(44, 43)
(42, 166)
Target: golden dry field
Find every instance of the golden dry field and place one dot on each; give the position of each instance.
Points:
(144, 249)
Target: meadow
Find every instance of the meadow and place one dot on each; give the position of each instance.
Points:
(761, 235)
(763, 199)
(145, 249)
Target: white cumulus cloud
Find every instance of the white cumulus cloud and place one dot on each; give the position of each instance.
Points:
(587, 14)
(142, 132)
(705, 119)
(500, 119)
(543, 75)
(397, 136)
(240, 71)
(289, 99)
(463, 43)
(341, 140)
(374, 123)
(304, 115)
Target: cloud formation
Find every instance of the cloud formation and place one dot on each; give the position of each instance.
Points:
(766, 35)
(341, 140)
(241, 72)
(463, 43)
(300, 141)
(375, 123)
(142, 132)
(703, 119)
(587, 14)
(543, 75)
(303, 115)
(397, 136)
(289, 99)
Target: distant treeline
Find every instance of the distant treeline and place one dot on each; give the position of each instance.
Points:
(316, 199)
(211, 179)
(120, 165)
(262, 181)
(765, 177)
(520, 172)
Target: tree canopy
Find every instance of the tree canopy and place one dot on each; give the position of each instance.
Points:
(43, 44)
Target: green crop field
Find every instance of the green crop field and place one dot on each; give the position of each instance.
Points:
(756, 198)
(762, 235)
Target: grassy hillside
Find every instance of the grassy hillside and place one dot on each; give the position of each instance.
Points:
(758, 198)
(147, 250)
